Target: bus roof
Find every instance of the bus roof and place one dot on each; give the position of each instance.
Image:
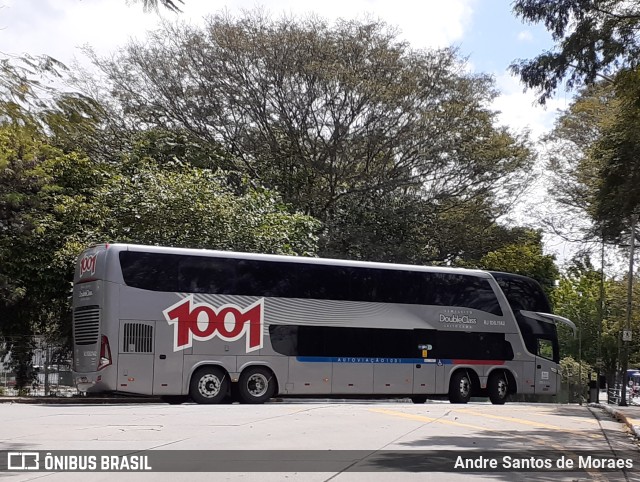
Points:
(293, 259)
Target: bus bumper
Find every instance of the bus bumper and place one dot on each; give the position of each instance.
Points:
(90, 382)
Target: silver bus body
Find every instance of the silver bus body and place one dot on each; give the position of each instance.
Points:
(205, 333)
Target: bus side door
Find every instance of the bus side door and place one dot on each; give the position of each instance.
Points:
(546, 377)
(424, 367)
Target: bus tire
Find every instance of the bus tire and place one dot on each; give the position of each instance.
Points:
(174, 399)
(498, 388)
(256, 385)
(209, 385)
(460, 387)
(418, 398)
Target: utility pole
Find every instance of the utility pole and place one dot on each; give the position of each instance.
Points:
(580, 357)
(600, 318)
(627, 331)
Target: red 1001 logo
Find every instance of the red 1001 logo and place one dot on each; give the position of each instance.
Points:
(202, 321)
(88, 265)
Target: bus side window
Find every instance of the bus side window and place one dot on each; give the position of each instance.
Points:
(311, 341)
(284, 339)
(205, 275)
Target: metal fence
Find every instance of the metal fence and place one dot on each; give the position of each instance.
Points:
(49, 374)
(614, 395)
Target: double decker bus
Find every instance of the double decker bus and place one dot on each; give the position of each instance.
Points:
(219, 326)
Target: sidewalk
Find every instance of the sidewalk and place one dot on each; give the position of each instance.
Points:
(79, 400)
(629, 415)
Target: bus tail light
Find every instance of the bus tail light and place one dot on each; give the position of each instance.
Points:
(105, 353)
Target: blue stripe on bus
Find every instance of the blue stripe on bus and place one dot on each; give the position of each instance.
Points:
(344, 359)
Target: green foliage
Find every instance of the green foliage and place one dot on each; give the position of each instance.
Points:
(577, 297)
(166, 147)
(574, 372)
(403, 228)
(617, 198)
(192, 207)
(526, 259)
(593, 38)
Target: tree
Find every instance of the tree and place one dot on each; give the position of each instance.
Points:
(33, 291)
(171, 5)
(575, 375)
(53, 204)
(525, 258)
(594, 39)
(572, 168)
(577, 297)
(324, 114)
(617, 198)
(181, 205)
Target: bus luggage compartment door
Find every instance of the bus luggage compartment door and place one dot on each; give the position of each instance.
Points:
(424, 377)
(135, 357)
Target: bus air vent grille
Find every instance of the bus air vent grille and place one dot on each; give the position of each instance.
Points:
(138, 338)
(86, 325)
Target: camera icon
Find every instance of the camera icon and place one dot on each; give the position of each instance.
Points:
(23, 461)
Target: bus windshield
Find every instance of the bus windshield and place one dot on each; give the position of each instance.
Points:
(525, 294)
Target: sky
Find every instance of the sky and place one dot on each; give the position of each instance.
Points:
(484, 31)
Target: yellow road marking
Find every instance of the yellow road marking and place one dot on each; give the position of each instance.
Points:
(478, 427)
(531, 423)
(422, 418)
(594, 473)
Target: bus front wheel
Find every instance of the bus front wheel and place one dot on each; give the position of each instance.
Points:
(256, 385)
(498, 388)
(460, 388)
(209, 385)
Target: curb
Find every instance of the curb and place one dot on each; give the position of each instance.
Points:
(620, 416)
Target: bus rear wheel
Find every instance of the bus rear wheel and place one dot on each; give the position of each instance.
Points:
(460, 388)
(498, 388)
(209, 385)
(256, 385)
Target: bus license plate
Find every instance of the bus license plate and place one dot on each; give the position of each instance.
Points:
(82, 380)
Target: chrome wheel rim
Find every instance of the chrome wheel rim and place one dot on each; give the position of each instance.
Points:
(465, 387)
(209, 385)
(257, 385)
(502, 388)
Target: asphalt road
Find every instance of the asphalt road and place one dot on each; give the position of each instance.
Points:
(378, 431)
